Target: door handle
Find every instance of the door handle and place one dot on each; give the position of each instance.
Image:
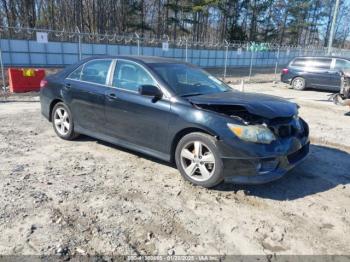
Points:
(67, 85)
(332, 72)
(112, 96)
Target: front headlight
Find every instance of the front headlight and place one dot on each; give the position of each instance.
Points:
(253, 133)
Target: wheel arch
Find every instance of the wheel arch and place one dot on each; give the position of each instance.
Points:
(180, 134)
(52, 105)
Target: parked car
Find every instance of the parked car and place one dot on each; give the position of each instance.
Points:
(177, 112)
(315, 72)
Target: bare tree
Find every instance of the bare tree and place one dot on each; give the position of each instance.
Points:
(302, 22)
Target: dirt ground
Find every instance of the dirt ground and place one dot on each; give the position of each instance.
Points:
(90, 197)
(258, 74)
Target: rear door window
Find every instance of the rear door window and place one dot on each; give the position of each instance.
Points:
(76, 74)
(316, 63)
(299, 62)
(96, 71)
(321, 63)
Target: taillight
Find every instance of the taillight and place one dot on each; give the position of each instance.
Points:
(285, 71)
(43, 83)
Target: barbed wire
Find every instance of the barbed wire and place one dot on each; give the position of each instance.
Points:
(128, 38)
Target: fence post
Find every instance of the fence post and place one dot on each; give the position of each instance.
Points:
(80, 47)
(226, 55)
(251, 65)
(186, 49)
(2, 68)
(2, 72)
(79, 41)
(138, 43)
(277, 58)
(167, 37)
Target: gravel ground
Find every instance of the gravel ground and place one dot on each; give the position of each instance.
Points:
(258, 74)
(90, 197)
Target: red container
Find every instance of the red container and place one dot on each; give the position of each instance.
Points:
(25, 79)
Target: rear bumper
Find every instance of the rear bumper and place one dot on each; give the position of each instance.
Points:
(262, 170)
(286, 78)
(45, 105)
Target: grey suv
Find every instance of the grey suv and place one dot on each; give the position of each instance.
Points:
(315, 72)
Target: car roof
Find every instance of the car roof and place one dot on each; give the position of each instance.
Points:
(142, 59)
(146, 60)
(317, 57)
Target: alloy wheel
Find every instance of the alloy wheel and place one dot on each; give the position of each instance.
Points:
(298, 83)
(62, 121)
(197, 161)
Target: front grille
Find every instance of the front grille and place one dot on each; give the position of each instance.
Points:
(285, 127)
(298, 155)
(285, 131)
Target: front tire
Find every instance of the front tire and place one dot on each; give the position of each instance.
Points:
(62, 122)
(298, 83)
(198, 160)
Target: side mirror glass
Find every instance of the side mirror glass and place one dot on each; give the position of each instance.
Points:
(150, 90)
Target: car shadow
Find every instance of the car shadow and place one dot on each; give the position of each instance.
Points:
(325, 168)
(84, 138)
(326, 91)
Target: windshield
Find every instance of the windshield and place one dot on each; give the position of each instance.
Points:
(187, 80)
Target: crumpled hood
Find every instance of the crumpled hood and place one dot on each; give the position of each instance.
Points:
(258, 104)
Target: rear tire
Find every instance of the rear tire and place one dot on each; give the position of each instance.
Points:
(198, 160)
(298, 83)
(62, 122)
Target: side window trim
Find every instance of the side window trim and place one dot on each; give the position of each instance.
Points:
(92, 60)
(111, 69)
(81, 67)
(333, 63)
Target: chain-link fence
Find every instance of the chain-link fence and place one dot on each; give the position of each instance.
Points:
(19, 47)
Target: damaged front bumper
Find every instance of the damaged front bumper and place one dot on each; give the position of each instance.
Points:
(258, 170)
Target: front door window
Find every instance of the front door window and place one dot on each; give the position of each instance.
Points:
(130, 76)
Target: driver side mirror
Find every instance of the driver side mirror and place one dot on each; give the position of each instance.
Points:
(150, 90)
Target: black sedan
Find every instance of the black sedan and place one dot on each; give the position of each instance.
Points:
(177, 112)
